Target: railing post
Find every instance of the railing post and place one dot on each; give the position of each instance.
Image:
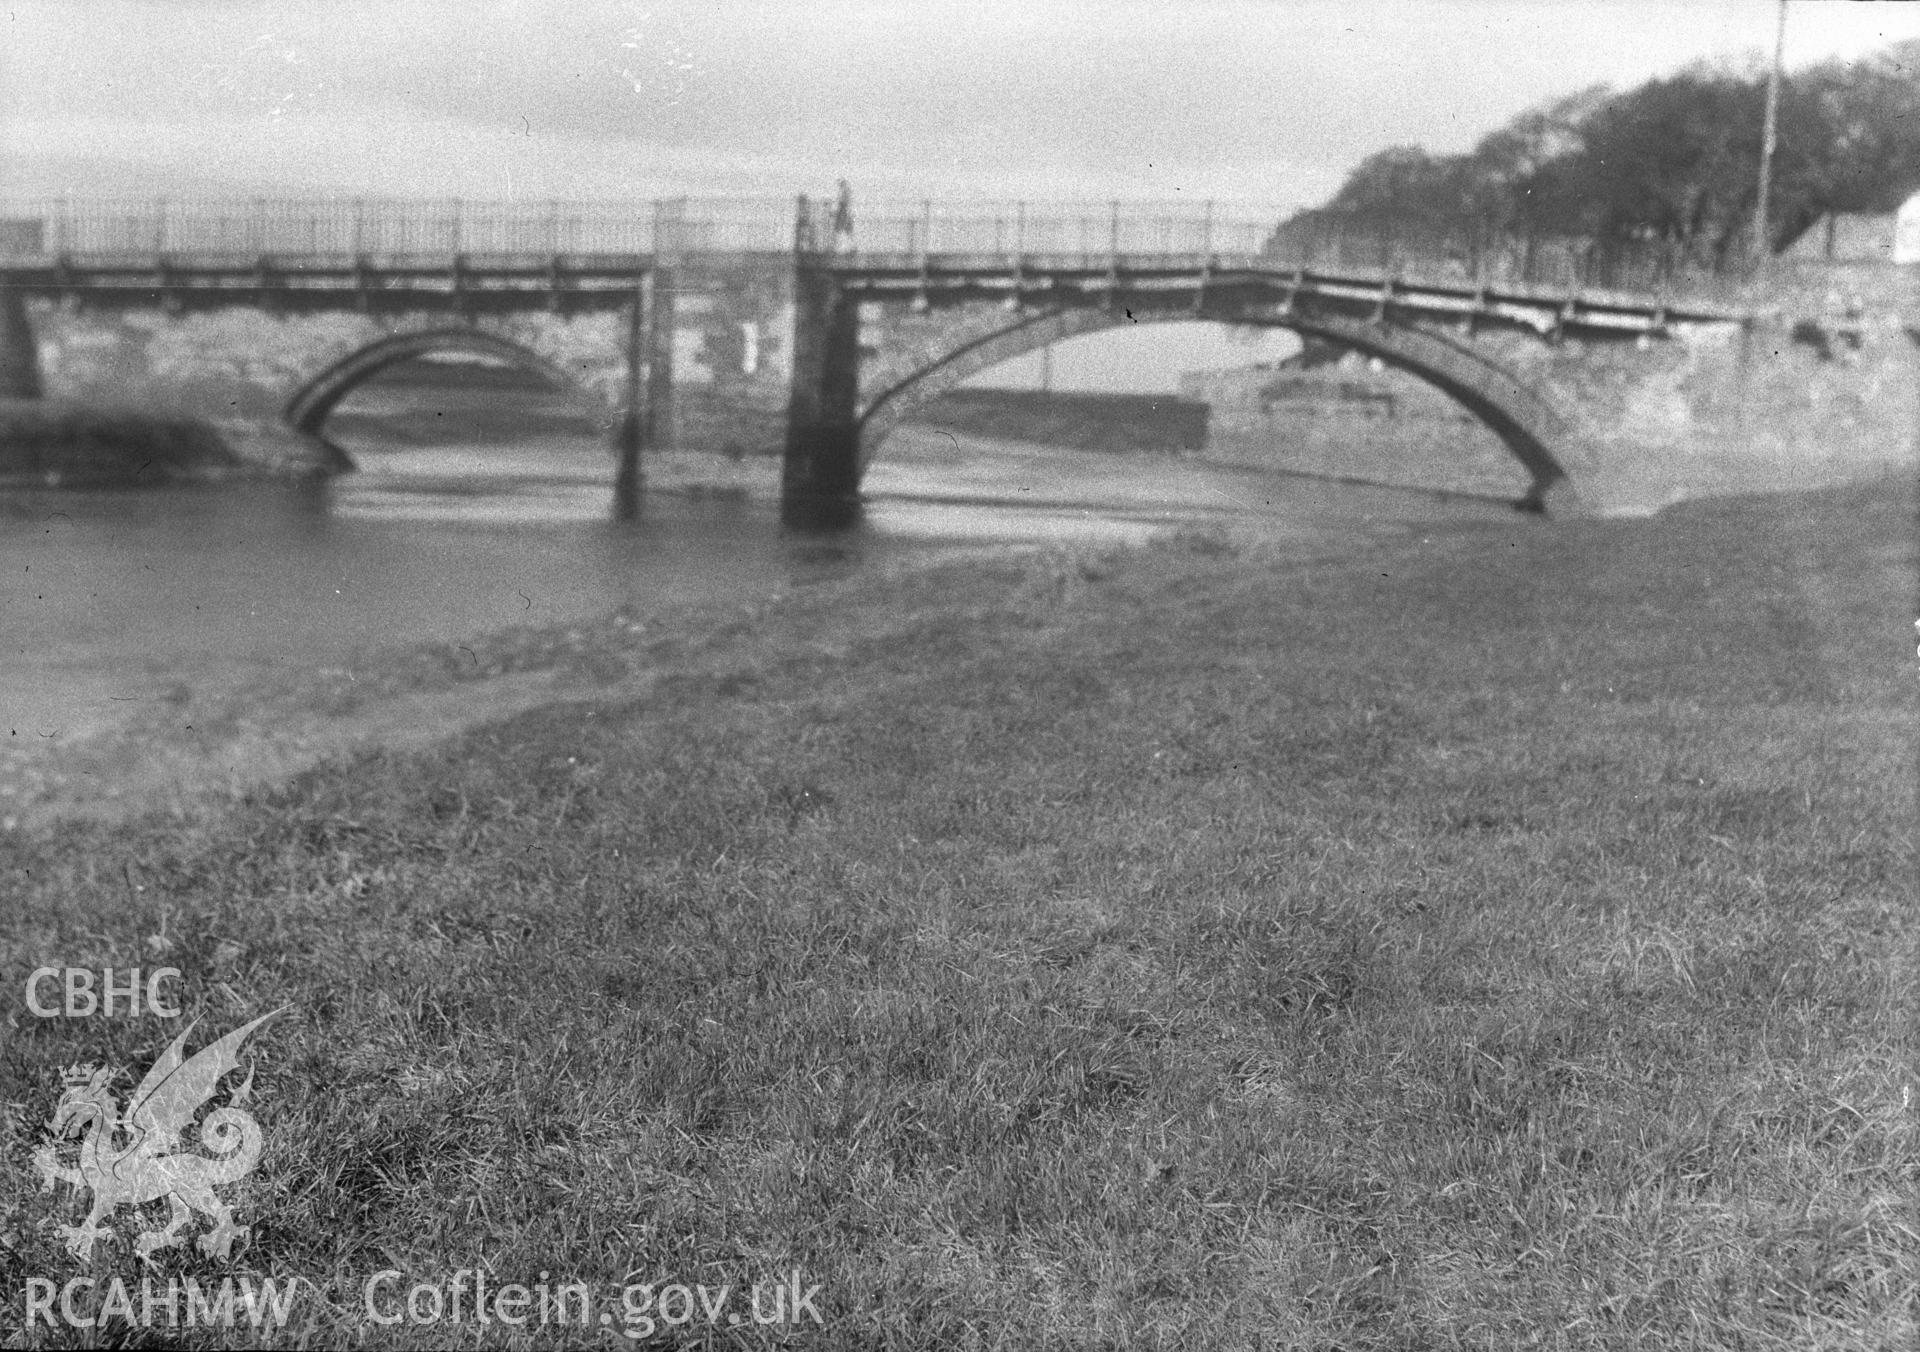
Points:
(1020, 229)
(159, 225)
(454, 247)
(1206, 230)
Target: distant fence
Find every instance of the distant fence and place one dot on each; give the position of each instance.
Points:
(1315, 242)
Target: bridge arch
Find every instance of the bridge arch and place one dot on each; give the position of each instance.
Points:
(309, 407)
(1527, 422)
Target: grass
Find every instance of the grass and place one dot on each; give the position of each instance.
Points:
(1498, 939)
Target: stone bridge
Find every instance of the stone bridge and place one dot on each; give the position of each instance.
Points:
(715, 327)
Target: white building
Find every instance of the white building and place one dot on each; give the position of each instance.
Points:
(1854, 237)
(1906, 231)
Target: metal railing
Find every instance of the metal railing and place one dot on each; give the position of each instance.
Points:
(387, 227)
(1051, 229)
(391, 227)
(1323, 242)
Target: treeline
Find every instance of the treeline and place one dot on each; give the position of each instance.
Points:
(1671, 165)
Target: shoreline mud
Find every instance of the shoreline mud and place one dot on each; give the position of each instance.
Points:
(55, 443)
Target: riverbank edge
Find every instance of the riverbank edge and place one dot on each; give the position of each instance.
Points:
(185, 754)
(57, 443)
(182, 753)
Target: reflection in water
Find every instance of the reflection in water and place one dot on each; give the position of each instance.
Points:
(822, 515)
(116, 597)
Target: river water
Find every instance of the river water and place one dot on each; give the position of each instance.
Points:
(110, 599)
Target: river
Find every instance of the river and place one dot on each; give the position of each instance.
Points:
(115, 598)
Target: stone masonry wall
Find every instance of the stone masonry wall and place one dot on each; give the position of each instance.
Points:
(1786, 402)
(732, 337)
(1353, 419)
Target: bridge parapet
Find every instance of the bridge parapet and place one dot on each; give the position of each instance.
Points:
(396, 232)
(1169, 230)
(360, 226)
(676, 228)
(50, 228)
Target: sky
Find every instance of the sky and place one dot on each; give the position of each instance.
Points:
(1255, 102)
(1261, 105)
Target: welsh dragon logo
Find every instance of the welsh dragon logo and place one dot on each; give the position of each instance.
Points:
(137, 1157)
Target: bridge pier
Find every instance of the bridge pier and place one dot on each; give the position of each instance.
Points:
(19, 354)
(820, 468)
(647, 411)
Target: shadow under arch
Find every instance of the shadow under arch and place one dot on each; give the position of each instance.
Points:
(309, 407)
(1526, 421)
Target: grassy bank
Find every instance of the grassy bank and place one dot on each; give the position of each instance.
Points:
(1503, 938)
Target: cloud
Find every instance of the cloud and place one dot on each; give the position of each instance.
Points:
(1223, 98)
